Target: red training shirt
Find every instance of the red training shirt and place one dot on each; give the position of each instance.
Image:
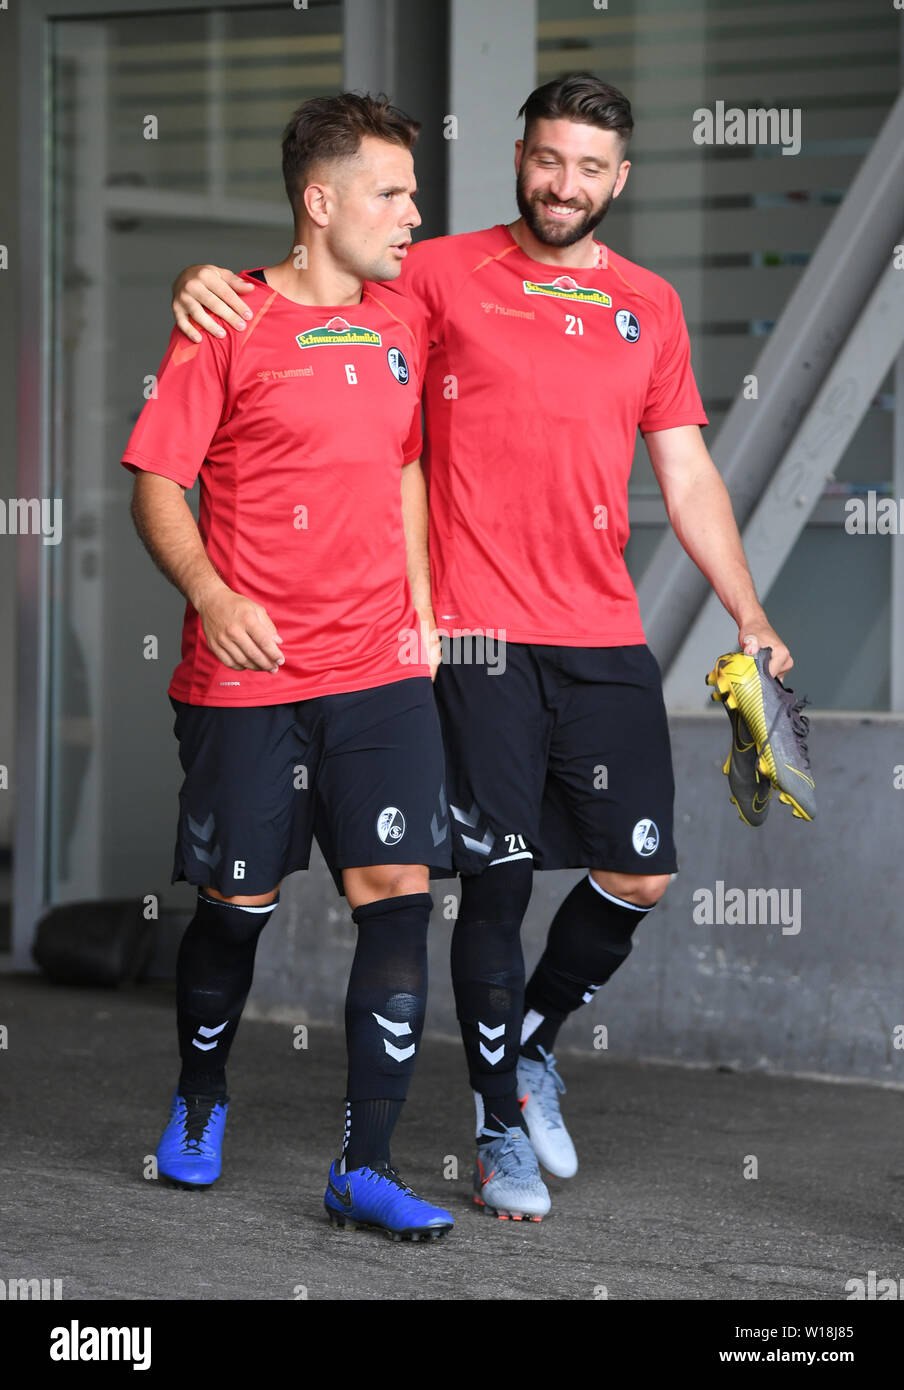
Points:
(299, 428)
(537, 381)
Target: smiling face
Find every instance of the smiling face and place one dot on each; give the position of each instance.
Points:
(365, 206)
(568, 174)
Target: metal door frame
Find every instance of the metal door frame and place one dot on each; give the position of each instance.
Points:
(360, 18)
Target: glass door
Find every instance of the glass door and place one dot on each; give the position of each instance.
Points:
(166, 137)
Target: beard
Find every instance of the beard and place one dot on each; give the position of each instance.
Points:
(555, 235)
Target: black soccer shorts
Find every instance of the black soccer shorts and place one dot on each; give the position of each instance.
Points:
(562, 757)
(362, 771)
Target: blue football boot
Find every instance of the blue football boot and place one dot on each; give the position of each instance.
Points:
(191, 1146)
(377, 1199)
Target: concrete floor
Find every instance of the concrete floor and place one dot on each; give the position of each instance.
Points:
(660, 1208)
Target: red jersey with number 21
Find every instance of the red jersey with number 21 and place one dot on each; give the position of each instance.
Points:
(299, 428)
(537, 382)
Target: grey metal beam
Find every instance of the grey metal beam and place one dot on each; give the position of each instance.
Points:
(897, 552)
(493, 64)
(83, 601)
(369, 45)
(795, 489)
(792, 366)
(32, 626)
(896, 655)
(400, 47)
(829, 511)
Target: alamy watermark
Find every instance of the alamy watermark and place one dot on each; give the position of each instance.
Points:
(460, 646)
(32, 516)
(757, 125)
(22, 1290)
(873, 515)
(739, 907)
(872, 1287)
(79, 1342)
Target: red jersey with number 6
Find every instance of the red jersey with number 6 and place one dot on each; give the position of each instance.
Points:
(537, 382)
(298, 428)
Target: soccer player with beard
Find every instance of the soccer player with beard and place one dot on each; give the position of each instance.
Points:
(547, 352)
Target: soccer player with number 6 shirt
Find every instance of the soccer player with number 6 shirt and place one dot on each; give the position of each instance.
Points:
(297, 713)
(547, 352)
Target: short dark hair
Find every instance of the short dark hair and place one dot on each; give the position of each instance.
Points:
(324, 128)
(580, 97)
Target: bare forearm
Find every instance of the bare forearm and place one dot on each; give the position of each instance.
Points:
(703, 520)
(236, 628)
(170, 534)
(701, 515)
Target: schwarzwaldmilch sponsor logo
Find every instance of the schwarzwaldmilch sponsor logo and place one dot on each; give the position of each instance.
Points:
(565, 287)
(339, 333)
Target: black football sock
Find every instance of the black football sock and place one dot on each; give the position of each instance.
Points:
(495, 1111)
(214, 970)
(590, 937)
(488, 980)
(371, 1122)
(384, 1020)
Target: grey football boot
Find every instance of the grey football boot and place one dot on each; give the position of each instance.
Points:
(539, 1088)
(507, 1178)
(749, 789)
(774, 717)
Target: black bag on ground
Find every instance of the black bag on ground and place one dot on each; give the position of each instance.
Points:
(95, 943)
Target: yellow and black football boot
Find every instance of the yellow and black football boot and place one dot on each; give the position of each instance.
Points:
(761, 708)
